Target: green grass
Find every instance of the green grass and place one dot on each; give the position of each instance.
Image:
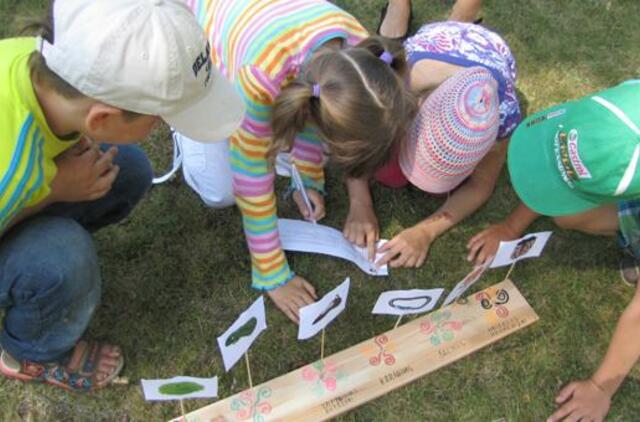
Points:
(176, 274)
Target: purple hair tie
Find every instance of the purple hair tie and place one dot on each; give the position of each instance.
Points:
(316, 90)
(386, 57)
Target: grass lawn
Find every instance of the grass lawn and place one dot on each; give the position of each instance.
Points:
(176, 274)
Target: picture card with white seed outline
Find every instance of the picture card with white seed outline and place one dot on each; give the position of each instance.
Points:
(406, 302)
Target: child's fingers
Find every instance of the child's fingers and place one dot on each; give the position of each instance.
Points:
(91, 154)
(103, 185)
(287, 310)
(302, 207)
(475, 238)
(305, 298)
(563, 412)
(400, 261)
(423, 257)
(480, 258)
(293, 311)
(410, 262)
(316, 198)
(105, 162)
(371, 246)
(388, 256)
(566, 393)
(390, 244)
(474, 249)
(309, 288)
(298, 302)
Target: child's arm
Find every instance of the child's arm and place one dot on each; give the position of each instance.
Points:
(410, 247)
(590, 399)
(361, 226)
(465, 10)
(253, 181)
(485, 244)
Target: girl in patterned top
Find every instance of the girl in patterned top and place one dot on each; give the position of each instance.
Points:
(466, 76)
(312, 84)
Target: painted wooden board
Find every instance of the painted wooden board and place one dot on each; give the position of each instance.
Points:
(354, 376)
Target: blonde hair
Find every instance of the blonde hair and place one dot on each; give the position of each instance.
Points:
(362, 112)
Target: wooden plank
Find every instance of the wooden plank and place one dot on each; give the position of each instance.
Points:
(354, 376)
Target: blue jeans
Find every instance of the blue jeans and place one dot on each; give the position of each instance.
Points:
(49, 275)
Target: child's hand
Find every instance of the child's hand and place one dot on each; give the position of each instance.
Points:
(361, 228)
(581, 400)
(294, 295)
(317, 203)
(485, 244)
(84, 173)
(407, 249)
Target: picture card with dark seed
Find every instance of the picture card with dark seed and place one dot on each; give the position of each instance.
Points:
(317, 316)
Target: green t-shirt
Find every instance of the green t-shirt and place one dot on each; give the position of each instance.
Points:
(27, 144)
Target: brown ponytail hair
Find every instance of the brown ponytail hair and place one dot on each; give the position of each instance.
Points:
(362, 112)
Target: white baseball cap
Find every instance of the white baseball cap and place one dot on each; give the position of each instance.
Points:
(145, 56)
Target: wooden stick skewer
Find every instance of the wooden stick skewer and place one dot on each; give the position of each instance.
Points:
(510, 270)
(246, 360)
(184, 414)
(322, 345)
(397, 322)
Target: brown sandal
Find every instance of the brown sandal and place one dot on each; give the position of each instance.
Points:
(80, 373)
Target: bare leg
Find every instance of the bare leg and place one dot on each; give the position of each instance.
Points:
(396, 21)
(602, 221)
(465, 10)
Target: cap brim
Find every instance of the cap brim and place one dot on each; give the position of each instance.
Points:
(534, 171)
(214, 117)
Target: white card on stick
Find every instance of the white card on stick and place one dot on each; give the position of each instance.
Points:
(179, 388)
(405, 302)
(529, 246)
(464, 285)
(235, 342)
(315, 317)
(302, 236)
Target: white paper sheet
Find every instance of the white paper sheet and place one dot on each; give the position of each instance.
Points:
(302, 236)
(529, 246)
(468, 281)
(405, 302)
(207, 388)
(315, 317)
(234, 344)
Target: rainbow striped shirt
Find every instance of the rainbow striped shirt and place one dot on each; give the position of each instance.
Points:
(27, 144)
(261, 45)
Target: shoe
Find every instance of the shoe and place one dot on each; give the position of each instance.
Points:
(630, 270)
(89, 368)
(383, 13)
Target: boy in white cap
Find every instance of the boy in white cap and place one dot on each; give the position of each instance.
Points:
(147, 60)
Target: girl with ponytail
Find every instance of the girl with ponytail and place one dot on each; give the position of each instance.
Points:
(314, 86)
(465, 77)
